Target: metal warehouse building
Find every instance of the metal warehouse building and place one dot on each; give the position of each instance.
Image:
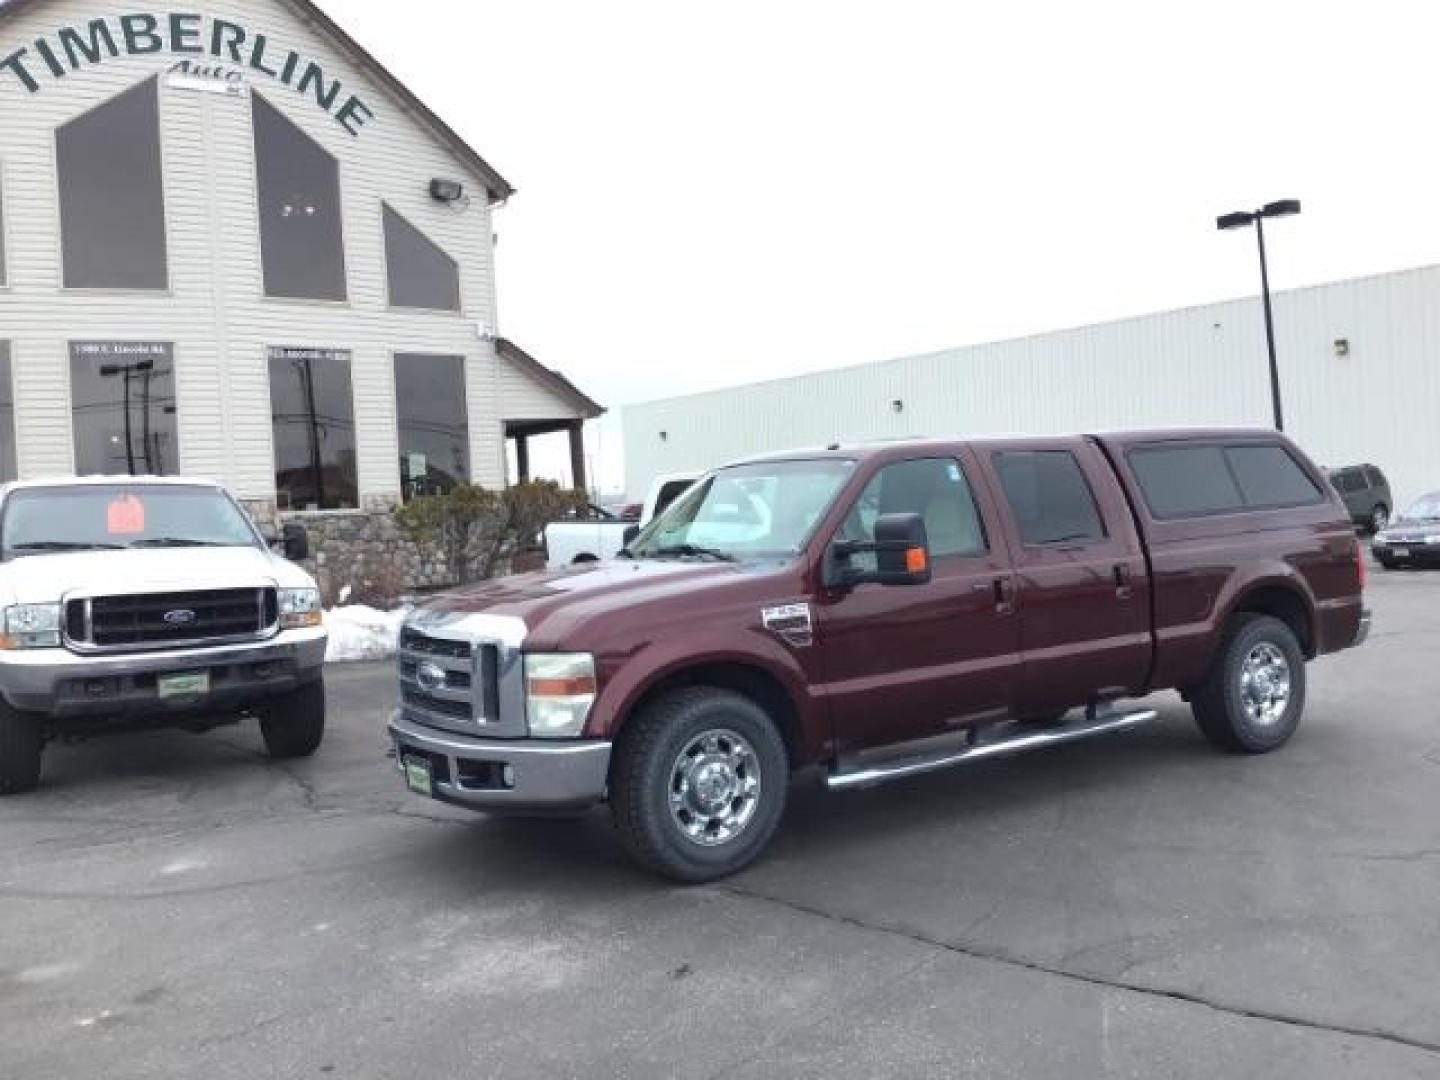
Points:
(1359, 367)
(232, 245)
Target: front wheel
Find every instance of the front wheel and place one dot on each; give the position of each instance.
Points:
(699, 784)
(21, 744)
(293, 725)
(1253, 695)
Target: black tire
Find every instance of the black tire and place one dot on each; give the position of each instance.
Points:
(646, 762)
(1219, 702)
(294, 725)
(21, 744)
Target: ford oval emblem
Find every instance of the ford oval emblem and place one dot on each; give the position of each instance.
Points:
(179, 617)
(430, 675)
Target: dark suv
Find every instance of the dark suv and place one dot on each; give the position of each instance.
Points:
(1365, 493)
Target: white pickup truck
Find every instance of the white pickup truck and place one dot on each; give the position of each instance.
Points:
(143, 602)
(590, 539)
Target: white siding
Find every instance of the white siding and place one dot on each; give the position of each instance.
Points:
(1202, 365)
(525, 398)
(215, 311)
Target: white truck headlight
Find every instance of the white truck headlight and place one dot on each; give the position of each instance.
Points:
(559, 690)
(299, 607)
(32, 626)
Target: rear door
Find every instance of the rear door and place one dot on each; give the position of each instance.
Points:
(904, 662)
(1082, 584)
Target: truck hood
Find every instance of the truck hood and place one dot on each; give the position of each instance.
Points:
(39, 579)
(553, 602)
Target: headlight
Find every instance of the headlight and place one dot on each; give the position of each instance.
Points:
(299, 607)
(1433, 538)
(559, 690)
(31, 626)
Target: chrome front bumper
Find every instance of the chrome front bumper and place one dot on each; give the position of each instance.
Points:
(54, 681)
(519, 775)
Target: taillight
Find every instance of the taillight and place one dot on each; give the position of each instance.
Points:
(1360, 561)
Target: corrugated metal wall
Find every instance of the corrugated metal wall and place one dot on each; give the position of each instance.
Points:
(215, 311)
(1201, 365)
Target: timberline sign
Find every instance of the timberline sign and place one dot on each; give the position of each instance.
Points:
(235, 47)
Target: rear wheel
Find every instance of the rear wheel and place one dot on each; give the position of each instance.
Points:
(699, 784)
(1254, 693)
(20, 749)
(294, 725)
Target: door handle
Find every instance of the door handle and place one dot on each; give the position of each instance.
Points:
(1122, 581)
(1004, 590)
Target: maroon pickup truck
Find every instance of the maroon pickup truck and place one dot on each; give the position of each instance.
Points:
(879, 611)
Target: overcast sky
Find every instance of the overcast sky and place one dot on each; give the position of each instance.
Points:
(714, 194)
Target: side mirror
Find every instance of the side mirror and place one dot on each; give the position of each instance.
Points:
(296, 542)
(630, 533)
(901, 549)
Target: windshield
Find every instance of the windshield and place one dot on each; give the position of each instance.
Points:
(1425, 508)
(93, 517)
(760, 510)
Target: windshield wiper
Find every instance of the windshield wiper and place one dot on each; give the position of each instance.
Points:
(63, 545)
(176, 541)
(682, 550)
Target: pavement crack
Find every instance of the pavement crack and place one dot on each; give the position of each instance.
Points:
(1091, 979)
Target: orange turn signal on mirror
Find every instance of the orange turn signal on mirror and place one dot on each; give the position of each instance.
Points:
(916, 560)
(573, 686)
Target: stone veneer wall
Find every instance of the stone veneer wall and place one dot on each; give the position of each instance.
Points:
(364, 549)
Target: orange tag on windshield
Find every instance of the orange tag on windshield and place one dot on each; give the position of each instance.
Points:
(125, 515)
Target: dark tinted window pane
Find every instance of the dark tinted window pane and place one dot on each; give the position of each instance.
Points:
(112, 202)
(434, 429)
(314, 422)
(420, 274)
(1185, 481)
(1049, 496)
(8, 470)
(934, 488)
(1269, 476)
(299, 192)
(1346, 480)
(1375, 477)
(122, 396)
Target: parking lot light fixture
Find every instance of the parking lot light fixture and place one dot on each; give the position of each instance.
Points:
(1239, 220)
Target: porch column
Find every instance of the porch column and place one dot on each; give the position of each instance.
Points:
(522, 458)
(577, 455)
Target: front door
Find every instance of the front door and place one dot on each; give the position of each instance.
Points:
(1082, 580)
(908, 661)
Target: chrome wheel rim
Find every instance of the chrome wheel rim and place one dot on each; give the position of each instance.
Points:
(714, 787)
(1265, 684)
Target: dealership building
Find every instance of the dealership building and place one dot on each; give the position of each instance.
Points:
(232, 245)
(1359, 368)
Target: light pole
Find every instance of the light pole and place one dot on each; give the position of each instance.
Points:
(1238, 220)
(125, 371)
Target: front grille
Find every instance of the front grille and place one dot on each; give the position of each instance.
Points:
(158, 620)
(416, 642)
(419, 699)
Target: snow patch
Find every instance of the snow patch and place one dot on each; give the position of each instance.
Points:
(361, 632)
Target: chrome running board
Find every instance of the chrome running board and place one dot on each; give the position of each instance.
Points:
(1095, 722)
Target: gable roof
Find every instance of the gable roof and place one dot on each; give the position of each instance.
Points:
(550, 378)
(497, 188)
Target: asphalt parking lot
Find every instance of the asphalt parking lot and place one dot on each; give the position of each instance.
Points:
(175, 905)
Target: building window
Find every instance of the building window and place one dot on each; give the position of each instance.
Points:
(314, 422)
(419, 273)
(122, 396)
(298, 182)
(112, 200)
(8, 468)
(433, 426)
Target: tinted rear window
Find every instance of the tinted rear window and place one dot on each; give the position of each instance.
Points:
(1375, 476)
(1269, 476)
(1199, 480)
(1185, 481)
(1050, 497)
